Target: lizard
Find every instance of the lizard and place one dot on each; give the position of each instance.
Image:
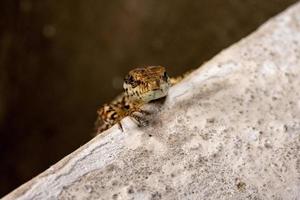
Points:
(141, 85)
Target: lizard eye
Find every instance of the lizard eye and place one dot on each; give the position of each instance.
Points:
(134, 83)
(128, 79)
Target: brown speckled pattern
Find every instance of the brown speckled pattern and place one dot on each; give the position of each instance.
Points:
(141, 85)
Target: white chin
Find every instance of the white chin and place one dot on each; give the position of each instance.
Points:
(157, 94)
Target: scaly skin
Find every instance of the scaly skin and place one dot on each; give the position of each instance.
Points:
(141, 86)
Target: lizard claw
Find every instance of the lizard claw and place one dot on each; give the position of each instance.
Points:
(140, 121)
(120, 126)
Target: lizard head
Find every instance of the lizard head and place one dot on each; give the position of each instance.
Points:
(146, 84)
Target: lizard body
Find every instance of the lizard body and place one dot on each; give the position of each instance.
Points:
(141, 86)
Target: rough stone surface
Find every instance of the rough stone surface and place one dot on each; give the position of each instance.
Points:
(230, 130)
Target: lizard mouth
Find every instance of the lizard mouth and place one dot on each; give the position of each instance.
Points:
(142, 94)
(156, 93)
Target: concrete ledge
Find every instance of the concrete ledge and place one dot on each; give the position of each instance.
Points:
(231, 130)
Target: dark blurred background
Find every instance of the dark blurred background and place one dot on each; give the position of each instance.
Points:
(60, 60)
